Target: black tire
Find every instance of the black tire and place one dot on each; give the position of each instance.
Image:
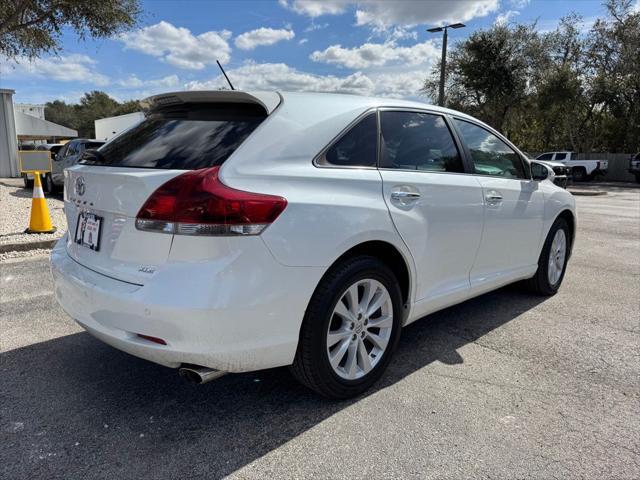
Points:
(311, 364)
(579, 174)
(27, 183)
(47, 183)
(539, 283)
(637, 177)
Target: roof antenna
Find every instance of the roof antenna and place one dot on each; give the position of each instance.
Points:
(225, 75)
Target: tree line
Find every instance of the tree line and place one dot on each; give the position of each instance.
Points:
(569, 88)
(92, 106)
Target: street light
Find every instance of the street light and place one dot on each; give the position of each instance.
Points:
(443, 65)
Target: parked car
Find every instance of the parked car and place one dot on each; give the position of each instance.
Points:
(581, 170)
(634, 166)
(233, 231)
(67, 157)
(54, 148)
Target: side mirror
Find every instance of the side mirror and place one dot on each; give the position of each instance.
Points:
(539, 171)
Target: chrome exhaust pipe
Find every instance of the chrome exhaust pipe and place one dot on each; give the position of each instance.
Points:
(198, 374)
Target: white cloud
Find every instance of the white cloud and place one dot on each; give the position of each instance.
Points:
(279, 76)
(134, 82)
(505, 17)
(383, 14)
(377, 55)
(519, 4)
(318, 26)
(178, 46)
(65, 68)
(303, 41)
(316, 8)
(262, 36)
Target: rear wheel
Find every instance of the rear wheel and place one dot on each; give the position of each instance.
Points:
(350, 329)
(637, 177)
(579, 174)
(27, 183)
(553, 260)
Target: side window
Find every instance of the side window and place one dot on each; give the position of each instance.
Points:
(356, 148)
(545, 156)
(71, 149)
(561, 156)
(490, 155)
(418, 141)
(61, 153)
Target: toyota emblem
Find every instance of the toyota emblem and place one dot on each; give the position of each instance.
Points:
(80, 186)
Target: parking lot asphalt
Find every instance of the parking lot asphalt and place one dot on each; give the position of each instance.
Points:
(507, 385)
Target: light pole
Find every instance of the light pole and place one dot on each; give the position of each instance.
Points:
(443, 65)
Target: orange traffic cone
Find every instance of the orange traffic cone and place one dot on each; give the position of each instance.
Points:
(40, 221)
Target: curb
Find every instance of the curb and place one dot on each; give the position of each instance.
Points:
(587, 193)
(25, 247)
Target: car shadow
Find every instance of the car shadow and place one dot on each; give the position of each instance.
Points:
(28, 193)
(100, 409)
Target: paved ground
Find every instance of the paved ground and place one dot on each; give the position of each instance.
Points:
(504, 386)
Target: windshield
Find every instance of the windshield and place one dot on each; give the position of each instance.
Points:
(187, 137)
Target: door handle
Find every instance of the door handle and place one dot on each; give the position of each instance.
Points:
(405, 195)
(493, 198)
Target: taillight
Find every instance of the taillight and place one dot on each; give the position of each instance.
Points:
(198, 203)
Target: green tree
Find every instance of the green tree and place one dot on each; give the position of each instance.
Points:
(92, 106)
(32, 27)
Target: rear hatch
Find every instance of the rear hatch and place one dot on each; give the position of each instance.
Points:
(111, 184)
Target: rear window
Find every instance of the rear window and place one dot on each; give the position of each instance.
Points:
(186, 137)
(91, 145)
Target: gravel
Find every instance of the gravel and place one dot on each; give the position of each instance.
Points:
(15, 208)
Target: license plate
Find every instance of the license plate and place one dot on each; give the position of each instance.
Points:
(88, 230)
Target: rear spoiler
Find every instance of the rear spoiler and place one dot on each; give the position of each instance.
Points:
(268, 100)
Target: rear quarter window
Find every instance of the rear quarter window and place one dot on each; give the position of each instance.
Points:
(187, 137)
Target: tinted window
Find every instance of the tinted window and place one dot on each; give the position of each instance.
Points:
(490, 155)
(90, 145)
(188, 137)
(72, 149)
(561, 156)
(418, 141)
(357, 148)
(545, 156)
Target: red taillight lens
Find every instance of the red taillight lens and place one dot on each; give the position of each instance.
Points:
(198, 203)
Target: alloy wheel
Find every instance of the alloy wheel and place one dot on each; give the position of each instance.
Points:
(557, 255)
(359, 329)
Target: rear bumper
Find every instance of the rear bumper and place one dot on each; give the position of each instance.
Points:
(238, 317)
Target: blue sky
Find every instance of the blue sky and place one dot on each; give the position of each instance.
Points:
(369, 47)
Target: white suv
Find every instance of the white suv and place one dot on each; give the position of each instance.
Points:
(234, 231)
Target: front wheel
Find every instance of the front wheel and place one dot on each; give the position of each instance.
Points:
(552, 263)
(350, 329)
(27, 183)
(637, 177)
(47, 183)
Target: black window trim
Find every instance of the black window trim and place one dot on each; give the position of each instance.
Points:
(526, 166)
(320, 160)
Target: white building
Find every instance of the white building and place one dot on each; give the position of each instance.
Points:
(107, 128)
(17, 124)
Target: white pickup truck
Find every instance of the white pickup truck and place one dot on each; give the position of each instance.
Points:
(581, 170)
